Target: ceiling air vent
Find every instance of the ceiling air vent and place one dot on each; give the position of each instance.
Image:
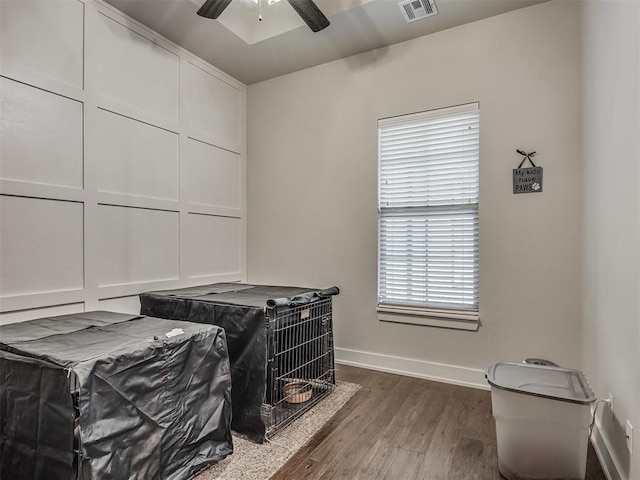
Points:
(413, 10)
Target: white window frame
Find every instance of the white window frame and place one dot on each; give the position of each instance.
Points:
(463, 315)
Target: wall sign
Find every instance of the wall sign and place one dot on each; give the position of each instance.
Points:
(527, 180)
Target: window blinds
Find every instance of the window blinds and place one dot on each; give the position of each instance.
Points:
(428, 209)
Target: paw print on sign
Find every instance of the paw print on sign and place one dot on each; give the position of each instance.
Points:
(535, 186)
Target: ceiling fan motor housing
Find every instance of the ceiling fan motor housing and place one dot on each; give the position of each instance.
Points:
(307, 9)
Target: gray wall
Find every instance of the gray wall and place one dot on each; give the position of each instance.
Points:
(312, 187)
(611, 285)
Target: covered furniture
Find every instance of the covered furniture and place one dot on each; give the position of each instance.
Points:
(276, 336)
(104, 395)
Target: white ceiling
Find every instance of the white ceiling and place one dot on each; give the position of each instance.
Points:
(282, 43)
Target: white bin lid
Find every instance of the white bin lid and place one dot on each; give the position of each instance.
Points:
(551, 382)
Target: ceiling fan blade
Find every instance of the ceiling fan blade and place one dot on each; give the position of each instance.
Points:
(310, 13)
(213, 8)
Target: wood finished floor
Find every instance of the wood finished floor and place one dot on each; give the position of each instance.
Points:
(403, 428)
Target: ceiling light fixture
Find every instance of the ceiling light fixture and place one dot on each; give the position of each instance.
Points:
(255, 2)
(306, 9)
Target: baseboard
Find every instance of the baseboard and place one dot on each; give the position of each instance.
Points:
(439, 372)
(603, 452)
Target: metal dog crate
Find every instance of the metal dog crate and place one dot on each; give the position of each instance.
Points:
(280, 342)
(300, 367)
(105, 395)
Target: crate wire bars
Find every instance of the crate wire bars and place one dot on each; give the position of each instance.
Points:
(74, 391)
(300, 367)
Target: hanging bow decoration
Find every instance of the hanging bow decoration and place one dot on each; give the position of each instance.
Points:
(527, 156)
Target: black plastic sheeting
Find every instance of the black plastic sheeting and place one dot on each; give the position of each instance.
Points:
(151, 405)
(241, 310)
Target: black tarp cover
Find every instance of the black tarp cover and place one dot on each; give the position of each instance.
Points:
(241, 310)
(152, 405)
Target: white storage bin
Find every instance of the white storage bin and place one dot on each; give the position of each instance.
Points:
(542, 419)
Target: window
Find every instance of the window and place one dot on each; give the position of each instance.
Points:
(428, 217)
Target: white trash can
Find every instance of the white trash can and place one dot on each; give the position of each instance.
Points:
(542, 416)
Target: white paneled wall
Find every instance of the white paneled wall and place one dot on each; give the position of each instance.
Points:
(40, 245)
(202, 231)
(43, 38)
(135, 158)
(122, 162)
(41, 136)
(220, 184)
(219, 126)
(136, 245)
(131, 69)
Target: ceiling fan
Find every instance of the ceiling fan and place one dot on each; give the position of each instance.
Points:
(307, 9)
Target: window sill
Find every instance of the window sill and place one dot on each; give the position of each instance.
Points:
(453, 320)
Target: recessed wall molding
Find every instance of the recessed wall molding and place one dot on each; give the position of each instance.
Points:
(134, 289)
(41, 300)
(120, 200)
(199, 209)
(206, 137)
(132, 112)
(39, 190)
(40, 312)
(42, 82)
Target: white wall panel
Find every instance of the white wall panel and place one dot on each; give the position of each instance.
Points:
(41, 246)
(41, 136)
(97, 169)
(45, 37)
(133, 70)
(135, 158)
(33, 313)
(213, 245)
(212, 175)
(136, 245)
(129, 304)
(212, 109)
